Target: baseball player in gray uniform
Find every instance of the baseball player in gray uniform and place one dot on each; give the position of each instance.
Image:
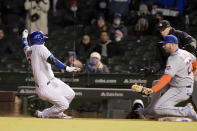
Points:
(48, 87)
(180, 77)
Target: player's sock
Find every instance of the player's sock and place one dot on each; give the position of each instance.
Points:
(38, 114)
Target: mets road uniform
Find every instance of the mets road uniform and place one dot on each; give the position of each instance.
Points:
(48, 87)
(180, 88)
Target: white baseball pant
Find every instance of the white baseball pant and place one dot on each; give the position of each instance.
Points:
(59, 94)
(165, 104)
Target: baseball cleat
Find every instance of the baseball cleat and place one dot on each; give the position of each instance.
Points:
(67, 117)
(142, 113)
(64, 116)
(38, 114)
(191, 113)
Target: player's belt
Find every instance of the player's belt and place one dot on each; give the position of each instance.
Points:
(47, 82)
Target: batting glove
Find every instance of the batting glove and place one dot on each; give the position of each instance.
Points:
(25, 33)
(72, 69)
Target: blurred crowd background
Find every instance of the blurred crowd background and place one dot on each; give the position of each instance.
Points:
(99, 36)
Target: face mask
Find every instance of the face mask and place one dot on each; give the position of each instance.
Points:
(93, 62)
(75, 63)
(143, 22)
(117, 38)
(117, 22)
(74, 8)
(102, 5)
(153, 11)
(101, 23)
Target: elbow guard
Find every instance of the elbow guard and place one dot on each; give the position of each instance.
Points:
(52, 60)
(25, 43)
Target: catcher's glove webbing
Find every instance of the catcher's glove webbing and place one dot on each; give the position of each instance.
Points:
(142, 90)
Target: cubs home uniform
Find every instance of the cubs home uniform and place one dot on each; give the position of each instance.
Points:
(48, 87)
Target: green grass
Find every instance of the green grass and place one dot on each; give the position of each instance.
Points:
(77, 124)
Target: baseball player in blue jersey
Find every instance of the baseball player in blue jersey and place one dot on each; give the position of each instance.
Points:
(179, 74)
(48, 87)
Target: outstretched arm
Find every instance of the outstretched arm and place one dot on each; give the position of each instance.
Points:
(54, 61)
(24, 38)
(165, 79)
(25, 44)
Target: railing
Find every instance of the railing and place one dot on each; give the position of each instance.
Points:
(11, 80)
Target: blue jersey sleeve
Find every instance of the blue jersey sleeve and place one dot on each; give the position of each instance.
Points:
(52, 60)
(24, 42)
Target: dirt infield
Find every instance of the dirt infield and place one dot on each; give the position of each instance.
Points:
(77, 124)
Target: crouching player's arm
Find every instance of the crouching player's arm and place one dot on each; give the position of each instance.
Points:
(165, 79)
(52, 60)
(194, 65)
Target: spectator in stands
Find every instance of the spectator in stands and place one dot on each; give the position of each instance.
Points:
(131, 19)
(73, 12)
(102, 24)
(187, 21)
(118, 31)
(98, 26)
(85, 48)
(37, 15)
(158, 17)
(154, 8)
(68, 12)
(141, 27)
(119, 6)
(73, 61)
(95, 65)
(106, 48)
(142, 23)
(143, 9)
(6, 44)
(101, 8)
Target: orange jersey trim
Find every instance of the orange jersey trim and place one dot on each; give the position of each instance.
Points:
(165, 79)
(194, 65)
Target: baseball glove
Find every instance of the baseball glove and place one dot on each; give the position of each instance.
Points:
(142, 90)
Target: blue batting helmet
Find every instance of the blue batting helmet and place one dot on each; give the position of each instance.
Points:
(37, 38)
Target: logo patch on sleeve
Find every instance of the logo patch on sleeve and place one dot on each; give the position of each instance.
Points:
(168, 67)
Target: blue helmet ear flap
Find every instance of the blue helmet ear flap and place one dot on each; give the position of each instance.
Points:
(37, 38)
